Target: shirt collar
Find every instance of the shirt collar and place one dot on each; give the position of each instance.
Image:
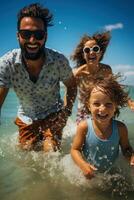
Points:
(18, 58)
(48, 54)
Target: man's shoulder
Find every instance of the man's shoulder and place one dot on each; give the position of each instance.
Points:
(54, 54)
(53, 51)
(11, 56)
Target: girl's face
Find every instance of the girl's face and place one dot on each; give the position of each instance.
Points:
(102, 108)
(92, 52)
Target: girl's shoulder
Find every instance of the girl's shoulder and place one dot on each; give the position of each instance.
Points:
(83, 123)
(123, 135)
(83, 126)
(122, 128)
(120, 124)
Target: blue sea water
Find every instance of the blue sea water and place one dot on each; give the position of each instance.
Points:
(54, 176)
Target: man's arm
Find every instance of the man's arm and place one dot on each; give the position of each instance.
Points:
(3, 94)
(71, 92)
(69, 99)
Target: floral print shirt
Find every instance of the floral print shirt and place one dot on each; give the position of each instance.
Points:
(37, 100)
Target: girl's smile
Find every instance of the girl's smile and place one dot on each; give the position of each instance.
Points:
(102, 108)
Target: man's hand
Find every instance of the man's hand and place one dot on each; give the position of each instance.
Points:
(61, 119)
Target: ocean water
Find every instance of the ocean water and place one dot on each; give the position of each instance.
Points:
(54, 176)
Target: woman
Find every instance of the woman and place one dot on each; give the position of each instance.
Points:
(88, 56)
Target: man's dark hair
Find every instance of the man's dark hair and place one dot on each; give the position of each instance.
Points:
(37, 11)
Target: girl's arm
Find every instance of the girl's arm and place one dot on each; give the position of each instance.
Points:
(76, 149)
(126, 148)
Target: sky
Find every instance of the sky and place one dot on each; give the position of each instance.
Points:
(74, 18)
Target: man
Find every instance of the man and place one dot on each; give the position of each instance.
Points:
(35, 72)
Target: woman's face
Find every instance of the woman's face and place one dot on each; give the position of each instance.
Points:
(92, 52)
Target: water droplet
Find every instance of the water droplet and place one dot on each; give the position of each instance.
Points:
(112, 148)
(105, 156)
(97, 148)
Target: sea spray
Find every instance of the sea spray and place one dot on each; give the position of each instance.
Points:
(39, 169)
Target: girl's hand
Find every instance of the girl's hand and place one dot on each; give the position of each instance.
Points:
(88, 170)
(132, 160)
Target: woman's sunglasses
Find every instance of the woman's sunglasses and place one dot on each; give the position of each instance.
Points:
(26, 34)
(95, 49)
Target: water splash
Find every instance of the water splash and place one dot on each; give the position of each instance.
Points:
(58, 167)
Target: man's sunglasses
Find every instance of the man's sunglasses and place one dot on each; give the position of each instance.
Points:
(95, 49)
(26, 34)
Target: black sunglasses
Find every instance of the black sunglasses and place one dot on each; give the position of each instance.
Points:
(95, 49)
(26, 34)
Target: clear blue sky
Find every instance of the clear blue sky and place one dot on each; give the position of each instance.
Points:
(72, 19)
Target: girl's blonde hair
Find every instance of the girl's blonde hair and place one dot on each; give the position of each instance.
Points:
(110, 86)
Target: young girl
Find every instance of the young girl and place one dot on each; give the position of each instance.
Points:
(97, 140)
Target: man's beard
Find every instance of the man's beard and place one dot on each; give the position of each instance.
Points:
(32, 56)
